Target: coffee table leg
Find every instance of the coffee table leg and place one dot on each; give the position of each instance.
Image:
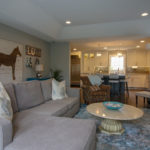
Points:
(110, 126)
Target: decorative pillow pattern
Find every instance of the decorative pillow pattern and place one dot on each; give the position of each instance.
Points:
(95, 80)
(58, 90)
(5, 104)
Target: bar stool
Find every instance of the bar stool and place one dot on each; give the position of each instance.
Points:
(114, 82)
(126, 87)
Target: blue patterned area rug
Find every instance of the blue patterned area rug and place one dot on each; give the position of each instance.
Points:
(135, 137)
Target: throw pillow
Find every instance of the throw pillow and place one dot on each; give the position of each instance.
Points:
(28, 94)
(58, 90)
(95, 80)
(5, 104)
(46, 86)
(11, 93)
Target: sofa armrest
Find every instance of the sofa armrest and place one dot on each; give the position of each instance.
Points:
(73, 92)
(6, 132)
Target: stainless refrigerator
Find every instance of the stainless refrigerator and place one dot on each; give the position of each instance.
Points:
(75, 71)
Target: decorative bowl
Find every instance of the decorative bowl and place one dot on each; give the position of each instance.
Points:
(113, 105)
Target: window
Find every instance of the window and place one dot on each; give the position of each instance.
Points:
(117, 64)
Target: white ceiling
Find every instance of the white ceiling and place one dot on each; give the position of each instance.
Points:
(85, 12)
(90, 18)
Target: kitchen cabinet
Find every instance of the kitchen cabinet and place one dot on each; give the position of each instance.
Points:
(148, 58)
(91, 60)
(138, 80)
(137, 57)
(101, 60)
(88, 62)
(141, 58)
(85, 63)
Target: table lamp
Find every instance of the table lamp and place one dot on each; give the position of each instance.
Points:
(39, 68)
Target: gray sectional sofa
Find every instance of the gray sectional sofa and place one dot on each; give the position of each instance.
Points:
(40, 123)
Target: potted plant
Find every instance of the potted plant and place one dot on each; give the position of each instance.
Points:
(56, 74)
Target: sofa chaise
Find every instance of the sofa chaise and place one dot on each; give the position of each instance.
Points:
(40, 123)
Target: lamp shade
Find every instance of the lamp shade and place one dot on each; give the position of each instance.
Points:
(39, 68)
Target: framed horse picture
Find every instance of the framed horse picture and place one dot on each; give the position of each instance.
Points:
(11, 65)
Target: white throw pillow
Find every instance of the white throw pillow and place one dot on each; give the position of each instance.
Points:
(58, 90)
(5, 104)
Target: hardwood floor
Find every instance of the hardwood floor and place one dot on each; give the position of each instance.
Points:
(132, 99)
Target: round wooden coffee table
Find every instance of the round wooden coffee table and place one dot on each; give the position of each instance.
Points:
(111, 122)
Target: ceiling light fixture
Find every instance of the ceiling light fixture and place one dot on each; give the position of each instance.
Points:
(137, 46)
(142, 41)
(74, 49)
(68, 22)
(99, 54)
(119, 54)
(144, 14)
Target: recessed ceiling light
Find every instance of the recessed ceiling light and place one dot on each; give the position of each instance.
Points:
(119, 54)
(142, 41)
(74, 49)
(144, 14)
(99, 54)
(68, 22)
(137, 46)
(105, 47)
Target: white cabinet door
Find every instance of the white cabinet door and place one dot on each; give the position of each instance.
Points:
(131, 58)
(141, 58)
(104, 59)
(148, 58)
(137, 57)
(138, 80)
(86, 63)
(91, 62)
(98, 61)
(101, 60)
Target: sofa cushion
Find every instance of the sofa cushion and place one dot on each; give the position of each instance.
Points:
(11, 92)
(6, 132)
(53, 133)
(28, 94)
(46, 86)
(51, 108)
(70, 101)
